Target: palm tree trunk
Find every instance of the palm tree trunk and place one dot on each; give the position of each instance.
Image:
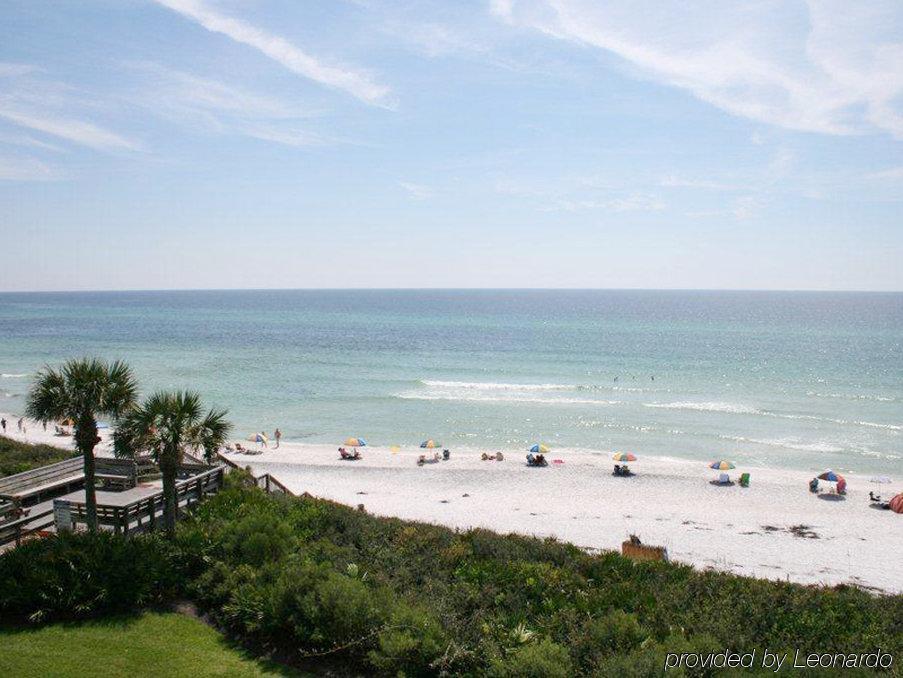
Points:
(85, 440)
(169, 497)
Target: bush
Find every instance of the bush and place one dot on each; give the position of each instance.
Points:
(412, 643)
(70, 576)
(618, 632)
(17, 457)
(543, 659)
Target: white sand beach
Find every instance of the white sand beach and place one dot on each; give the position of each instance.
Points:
(774, 529)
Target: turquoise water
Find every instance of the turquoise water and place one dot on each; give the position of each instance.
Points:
(805, 380)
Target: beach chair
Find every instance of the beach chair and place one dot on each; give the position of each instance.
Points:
(744, 480)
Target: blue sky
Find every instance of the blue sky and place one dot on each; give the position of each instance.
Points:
(504, 143)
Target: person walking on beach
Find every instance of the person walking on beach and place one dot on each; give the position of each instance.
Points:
(19, 424)
(277, 434)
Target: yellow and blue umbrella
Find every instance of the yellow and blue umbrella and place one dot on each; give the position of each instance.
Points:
(429, 444)
(539, 448)
(355, 442)
(624, 456)
(722, 465)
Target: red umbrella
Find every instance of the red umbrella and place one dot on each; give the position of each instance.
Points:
(896, 504)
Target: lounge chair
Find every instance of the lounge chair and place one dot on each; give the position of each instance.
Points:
(744, 480)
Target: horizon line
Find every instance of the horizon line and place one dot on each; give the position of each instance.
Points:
(452, 289)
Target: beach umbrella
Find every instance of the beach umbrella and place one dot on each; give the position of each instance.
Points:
(355, 442)
(539, 448)
(830, 476)
(896, 504)
(722, 465)
(430, 444)
(624, 456)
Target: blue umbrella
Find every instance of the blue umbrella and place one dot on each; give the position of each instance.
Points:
(830, 476)
(539, 448)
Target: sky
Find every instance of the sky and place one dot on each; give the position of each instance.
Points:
(170, 144)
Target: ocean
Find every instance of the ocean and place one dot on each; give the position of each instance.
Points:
(795, 379)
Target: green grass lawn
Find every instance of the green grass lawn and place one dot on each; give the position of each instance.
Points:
(152, 644)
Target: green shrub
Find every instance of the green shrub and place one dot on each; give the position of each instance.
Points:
(412, 643)
(542, 659)
(18, 457)
(70, 576)
(618, 632)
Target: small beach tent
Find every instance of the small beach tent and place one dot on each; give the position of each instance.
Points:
(539, 448)
(896, 504)
(430, 444)
(624, 456)
(355, 442)
(722, 465)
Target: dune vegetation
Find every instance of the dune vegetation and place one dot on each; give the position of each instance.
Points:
(312, 584)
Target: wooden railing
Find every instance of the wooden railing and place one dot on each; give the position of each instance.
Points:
(266, 482)
(143, 513)
(39, 476)
(18, 529)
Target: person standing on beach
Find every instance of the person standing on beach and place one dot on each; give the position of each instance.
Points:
(3, 424)
(277, 434)
(19, 424)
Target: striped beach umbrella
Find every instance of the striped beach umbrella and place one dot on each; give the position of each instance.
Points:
(896, 504)
(429, 444)
(539, 448)
(722, 465)
(830, 476)
(624, 456)
(355, 442)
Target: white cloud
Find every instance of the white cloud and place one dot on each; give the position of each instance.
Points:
(279, 49)
(210, 106)
(28, 141)
(25, 169)
(30, 102)
(891, 173)
(828, 66)
(70, 129)
(11, 70)
(674, 181)
(417, 191)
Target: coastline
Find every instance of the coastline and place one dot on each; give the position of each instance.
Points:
(774, 529)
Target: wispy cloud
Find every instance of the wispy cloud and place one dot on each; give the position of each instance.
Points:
(28, 142)
(417, 191)
(277, 48)
(33, 103)
(8, 69)
(70, 129)
(15, 168)
(632, 202)
(211, 106)
(829, 66)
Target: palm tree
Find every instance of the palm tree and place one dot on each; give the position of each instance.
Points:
(82, 390)
(166, 425)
